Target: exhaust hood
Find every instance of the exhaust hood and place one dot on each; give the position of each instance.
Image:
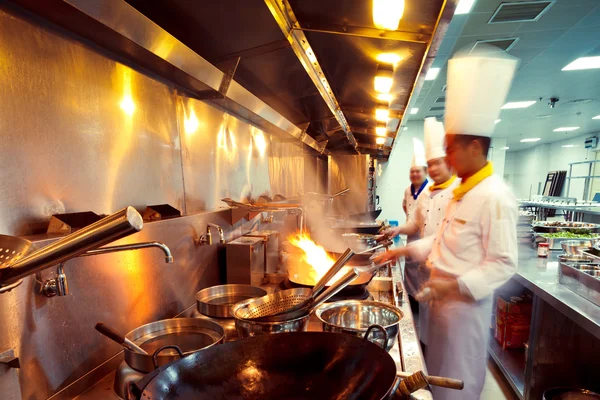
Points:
(296, 68)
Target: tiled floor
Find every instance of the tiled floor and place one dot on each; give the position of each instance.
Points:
(495, 387)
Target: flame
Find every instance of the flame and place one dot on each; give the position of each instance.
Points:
(315, 258)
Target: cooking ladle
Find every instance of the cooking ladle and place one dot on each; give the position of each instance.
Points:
(118, 338)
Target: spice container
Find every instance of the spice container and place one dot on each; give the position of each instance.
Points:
(543, 249)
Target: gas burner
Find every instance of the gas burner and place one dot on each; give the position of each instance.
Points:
(357, 292)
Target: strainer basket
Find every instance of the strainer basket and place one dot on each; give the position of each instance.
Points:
(12, 249)
(270, 304)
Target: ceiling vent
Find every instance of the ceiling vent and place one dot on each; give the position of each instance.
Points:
(437, 108)
(579, 101)
(501, 44)
(443, 90)
(440, 116)
(524, 11)
(441, 99)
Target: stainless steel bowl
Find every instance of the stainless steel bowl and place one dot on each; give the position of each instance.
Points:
(354, 317)
(216, 301)
(246, 328)
(566, 393)
(575, 247)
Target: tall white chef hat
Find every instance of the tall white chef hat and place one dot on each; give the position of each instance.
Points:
(477, 87)
(419, 154)
(434, 139)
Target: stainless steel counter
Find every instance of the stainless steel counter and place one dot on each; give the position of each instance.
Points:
(540, 275)
(406, 352)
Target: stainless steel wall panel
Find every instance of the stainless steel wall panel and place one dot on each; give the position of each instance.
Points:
(286, 169)
(79, 131)
(349, 171)
(223, 156)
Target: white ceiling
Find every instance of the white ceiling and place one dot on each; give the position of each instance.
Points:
(568, 30)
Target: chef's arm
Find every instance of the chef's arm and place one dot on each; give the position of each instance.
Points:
(419, 250)
(409, 228)
(500, 242)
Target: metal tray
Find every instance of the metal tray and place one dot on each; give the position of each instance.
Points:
(540, 227)
(583, 279)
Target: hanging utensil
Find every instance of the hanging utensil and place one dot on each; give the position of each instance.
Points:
(115, 336)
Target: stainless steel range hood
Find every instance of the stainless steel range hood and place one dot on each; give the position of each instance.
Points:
(120, 28)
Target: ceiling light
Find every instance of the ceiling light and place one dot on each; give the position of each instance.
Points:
(432, 74)
(569, 145)
(380, 140)
(596, 117)
(384, 80)
(583, 63)
(414, 111)
(496, 121)
(389, 58)
(529, 140)
(504, 148)
(405, 128)
(387, 13)
(380, 130)
(385, 96)
(566, 129)
(382, 114)
(517, 104)
(464, 7)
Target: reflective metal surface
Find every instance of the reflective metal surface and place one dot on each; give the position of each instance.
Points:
(349, 171)
(216, 301)
(355, 317)
(286, 169)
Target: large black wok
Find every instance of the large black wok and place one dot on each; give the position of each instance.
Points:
(291, 366)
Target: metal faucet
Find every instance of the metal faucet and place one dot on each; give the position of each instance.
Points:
(59, 286)
(206, 239)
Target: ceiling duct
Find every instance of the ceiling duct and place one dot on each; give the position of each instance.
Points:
(501, 44)
(525, 11)
(123, 30)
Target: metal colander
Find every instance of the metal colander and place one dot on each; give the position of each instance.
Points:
(11, 249)
(270, 304)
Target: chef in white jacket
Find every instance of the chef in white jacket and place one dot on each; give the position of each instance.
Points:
(475, 248)
(431, 205)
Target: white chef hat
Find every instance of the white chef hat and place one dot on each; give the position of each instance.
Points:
(477, 87)
(419, 154)
(434, 139)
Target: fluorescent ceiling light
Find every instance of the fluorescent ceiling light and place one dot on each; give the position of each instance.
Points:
(504, 148)
(389, 58)
(414, 111)
(464, 7)
(387, 13)
(405, 128)
(529, 140)
(566, 129)
(496, 121)
(382, 114)
(380, 130)
(518, 104)
(569, 145)
(596, 117)
(380, 140)
(432, 74)
(583, 63)
(385, 96)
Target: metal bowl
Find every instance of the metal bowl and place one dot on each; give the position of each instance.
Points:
(246, 328)
(575, 247)
(566, 393)
(354, 317)
(216, 301)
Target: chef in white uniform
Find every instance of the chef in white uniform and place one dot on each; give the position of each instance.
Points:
(418, 187)
(475, 248)
(431, 205)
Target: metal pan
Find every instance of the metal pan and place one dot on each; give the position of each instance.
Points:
(308, 365)
(366, 216)
(216, 301)
(189, 334)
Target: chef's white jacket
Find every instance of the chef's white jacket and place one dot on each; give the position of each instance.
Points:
(411, 203)
(477, 240)
(430, 209)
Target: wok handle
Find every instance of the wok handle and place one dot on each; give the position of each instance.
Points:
(169, 346)
(440, 381)
(118, 338)
(379, 328)
(335, 268)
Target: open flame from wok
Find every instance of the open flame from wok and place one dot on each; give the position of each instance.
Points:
(314, 263)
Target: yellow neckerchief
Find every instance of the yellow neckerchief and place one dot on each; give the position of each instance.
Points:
(444, 185)
(472, 181)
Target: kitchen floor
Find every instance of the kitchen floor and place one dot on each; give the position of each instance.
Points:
(495, 387)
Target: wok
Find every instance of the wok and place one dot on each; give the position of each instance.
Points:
(365, 216)
(291, 366)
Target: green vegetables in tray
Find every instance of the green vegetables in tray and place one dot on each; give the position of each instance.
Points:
(569, 235)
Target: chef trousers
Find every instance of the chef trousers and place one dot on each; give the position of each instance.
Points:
(457, 335)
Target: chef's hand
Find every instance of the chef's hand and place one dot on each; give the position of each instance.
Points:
(391, 255)
(437, 289)
(388, 234)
